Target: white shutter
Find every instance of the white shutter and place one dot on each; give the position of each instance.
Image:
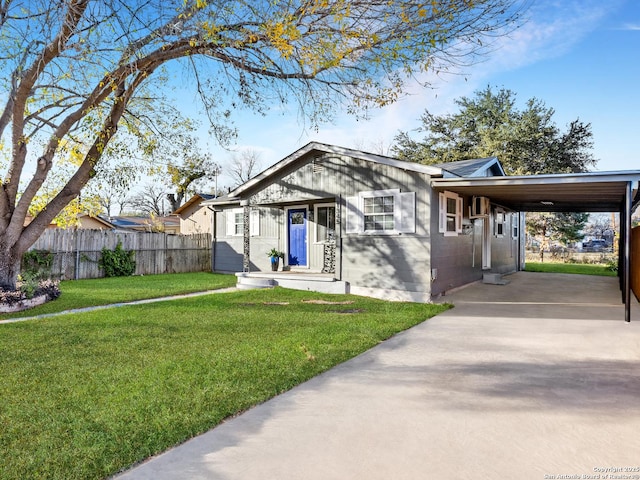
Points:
(231, 222)
(407, 212)
(442, 216)
(355, 219)
(254, 226)
(459, 215)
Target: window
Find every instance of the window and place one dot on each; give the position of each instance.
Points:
(378, 213)
(325, 217)
(450, 218)
(500, 223)
(515, 233)
(238, 224)
(235, 222)
(381, 212)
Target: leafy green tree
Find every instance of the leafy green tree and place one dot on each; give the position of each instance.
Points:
(188, 169)
(80, 72)
(527, 142)
(564, 228)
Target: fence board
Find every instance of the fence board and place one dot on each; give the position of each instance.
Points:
(77, 252)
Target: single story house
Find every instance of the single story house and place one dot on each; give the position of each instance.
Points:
(393, 229)
(193, 216)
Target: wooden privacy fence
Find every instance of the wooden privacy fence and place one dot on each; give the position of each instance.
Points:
(635, 261)
(76, 252)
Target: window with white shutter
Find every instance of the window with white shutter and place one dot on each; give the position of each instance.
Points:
(450, 213)
(235, 222)
(383, 212)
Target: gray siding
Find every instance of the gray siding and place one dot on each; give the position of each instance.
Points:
(335, 176)
(457, 260)
(379, 262)
(387, 262)
(227, 255)
(228, 251)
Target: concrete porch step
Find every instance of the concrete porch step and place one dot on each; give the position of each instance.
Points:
(494, 279)
(296, 281)
(249, 283)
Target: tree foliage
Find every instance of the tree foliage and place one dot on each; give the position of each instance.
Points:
(77, 73)
(564, 228)
(527, 142)
(117, 262)
(187, 168)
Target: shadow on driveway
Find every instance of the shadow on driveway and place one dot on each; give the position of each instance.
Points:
(498, 387)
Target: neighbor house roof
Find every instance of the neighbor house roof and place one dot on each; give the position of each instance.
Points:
(195, 199)
(137, 223)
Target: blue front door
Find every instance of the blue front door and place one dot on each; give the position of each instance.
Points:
(298, 237)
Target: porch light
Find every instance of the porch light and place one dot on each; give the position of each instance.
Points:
(547, 203)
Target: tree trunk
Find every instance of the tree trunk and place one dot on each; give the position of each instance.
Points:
(9, 268)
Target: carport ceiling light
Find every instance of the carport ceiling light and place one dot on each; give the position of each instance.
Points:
(547, 203)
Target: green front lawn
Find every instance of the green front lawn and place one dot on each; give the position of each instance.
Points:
(86, 395)
(103, 291)
(575, 268)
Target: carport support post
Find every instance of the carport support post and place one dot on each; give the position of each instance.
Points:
(626, 264)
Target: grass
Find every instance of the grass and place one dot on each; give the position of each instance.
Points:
(86, 395)
(575, 268)
(103, 291)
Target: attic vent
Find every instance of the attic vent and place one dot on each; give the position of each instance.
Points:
(318, 165)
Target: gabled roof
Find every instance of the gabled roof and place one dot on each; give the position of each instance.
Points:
(477, 167)
(108, 225)
(324, 148)
(197, 198)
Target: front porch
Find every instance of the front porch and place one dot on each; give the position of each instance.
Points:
(296, 280)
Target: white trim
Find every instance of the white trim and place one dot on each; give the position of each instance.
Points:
(404, 212)
(443, 215)
(231, 221)
(500, 218)
(286, 234)
(486, 242)
(254, 222)
(395, 193)
(315, 221)
(515, 226)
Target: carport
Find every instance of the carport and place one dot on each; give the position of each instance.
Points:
(576, 192)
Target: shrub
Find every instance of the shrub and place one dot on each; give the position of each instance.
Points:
(37, 264)
(29, 288)
(117, 262)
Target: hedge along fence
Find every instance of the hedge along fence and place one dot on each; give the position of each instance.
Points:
(77, 252)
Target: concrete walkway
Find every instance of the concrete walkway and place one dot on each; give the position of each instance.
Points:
(500, 387)
(117, 305)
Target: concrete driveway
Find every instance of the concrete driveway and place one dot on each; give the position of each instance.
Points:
(532, 380)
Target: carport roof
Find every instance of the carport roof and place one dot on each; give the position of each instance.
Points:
(575, 192)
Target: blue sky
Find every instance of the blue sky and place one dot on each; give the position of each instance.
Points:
(581, 57)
